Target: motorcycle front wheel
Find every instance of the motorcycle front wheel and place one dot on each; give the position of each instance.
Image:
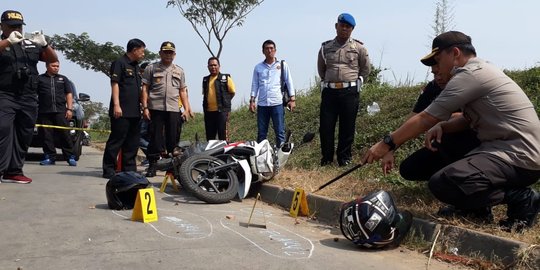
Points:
(212, 187)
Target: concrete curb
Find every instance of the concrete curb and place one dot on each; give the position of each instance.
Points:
(467, 242)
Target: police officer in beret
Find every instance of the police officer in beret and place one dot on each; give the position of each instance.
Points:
(343, 64)
(18, 92)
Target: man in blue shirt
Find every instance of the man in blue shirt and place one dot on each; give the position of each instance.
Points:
(266, 89)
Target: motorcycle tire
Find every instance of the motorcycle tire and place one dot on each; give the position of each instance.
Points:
(221, 187)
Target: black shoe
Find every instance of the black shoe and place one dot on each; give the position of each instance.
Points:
(108, 175)
(481, 215)
(326, 162)
(523, 206)
(151, 171)
(343, 163)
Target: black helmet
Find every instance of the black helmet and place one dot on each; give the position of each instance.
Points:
(373, 221)
(122, 189)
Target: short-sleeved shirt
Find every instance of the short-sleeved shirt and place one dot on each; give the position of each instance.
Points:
(23, 56)
(428, 95)
(126, 73)
(497, 109)
(164, 85)
(52, 91)
(343, 62)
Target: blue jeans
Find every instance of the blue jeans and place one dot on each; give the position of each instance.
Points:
(277, 113)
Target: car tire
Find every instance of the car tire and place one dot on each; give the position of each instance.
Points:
(77, 146)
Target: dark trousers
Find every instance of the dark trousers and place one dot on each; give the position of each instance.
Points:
(277, 114)
(423, 163)
(124, 136)
(337, 104)
(49, 134)
(478, 181)
(163, 128)
(17, 120)
(216, 123)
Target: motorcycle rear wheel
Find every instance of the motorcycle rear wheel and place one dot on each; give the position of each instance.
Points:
(219, 187)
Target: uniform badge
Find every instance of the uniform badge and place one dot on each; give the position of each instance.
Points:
(129, 71)
(278, 67)
(157, 80)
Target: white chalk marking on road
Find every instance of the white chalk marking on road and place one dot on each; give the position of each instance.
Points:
(288, 251)
(190, 229)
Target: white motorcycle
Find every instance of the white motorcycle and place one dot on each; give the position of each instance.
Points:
(223, 171)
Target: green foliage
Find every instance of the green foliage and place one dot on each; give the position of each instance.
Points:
(529, 80)
(88, 54)
(214, 18)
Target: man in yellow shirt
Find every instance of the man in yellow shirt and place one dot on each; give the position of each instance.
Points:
(218, 91)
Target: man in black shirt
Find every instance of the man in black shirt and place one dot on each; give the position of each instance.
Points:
(124, 110)
(55, 108)
(18, 98)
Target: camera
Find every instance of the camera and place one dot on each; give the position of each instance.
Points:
(23, 74)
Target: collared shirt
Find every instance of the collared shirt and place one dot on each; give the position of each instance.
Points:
(497, 109)
(126, 73)
(343, 62)
(52, 91)
(164, 85)
(266, 83)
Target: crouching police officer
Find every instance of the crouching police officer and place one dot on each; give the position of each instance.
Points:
(18, 96)
(343, 64)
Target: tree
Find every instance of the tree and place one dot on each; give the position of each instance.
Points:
(214, 18)
(88, 54)
(444, 18)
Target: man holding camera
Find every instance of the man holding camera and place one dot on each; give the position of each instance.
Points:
(18, 95)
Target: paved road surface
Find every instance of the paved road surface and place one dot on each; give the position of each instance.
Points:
(61, 221)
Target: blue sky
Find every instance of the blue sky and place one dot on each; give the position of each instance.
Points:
(396, 34)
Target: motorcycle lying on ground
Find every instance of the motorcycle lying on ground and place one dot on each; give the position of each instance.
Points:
(217, 171)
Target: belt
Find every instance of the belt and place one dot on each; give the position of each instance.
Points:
(338, 85)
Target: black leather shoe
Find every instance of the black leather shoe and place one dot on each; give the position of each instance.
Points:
(481, 215)
(343, 163)
(151, 171)
(523, 207)
(326, 162)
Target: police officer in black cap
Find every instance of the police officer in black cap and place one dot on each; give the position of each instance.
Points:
(343, 64)
(18, 95)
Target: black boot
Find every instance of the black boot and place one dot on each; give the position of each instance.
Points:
(480, 215)
(523, 205)
(151, 171)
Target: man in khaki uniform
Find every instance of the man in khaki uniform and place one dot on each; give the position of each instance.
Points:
(163, 88)
(343, 64)
(502, 167)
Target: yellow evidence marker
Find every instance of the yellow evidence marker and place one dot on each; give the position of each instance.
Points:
(145, 209)
(168, 176)
(299, 203)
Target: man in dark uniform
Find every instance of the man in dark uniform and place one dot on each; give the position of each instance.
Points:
(343, 64)
(124, 110)
(218, 91)
(55, 108)
(18, 96)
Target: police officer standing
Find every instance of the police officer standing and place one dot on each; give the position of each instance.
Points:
(124, 109)
(164, 86)
(343, 64)
(55, 94)
(18, 92)
(218, 91)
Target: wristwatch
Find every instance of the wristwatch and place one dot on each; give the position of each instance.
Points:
(388, 141)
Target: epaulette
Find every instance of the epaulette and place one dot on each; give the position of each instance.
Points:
(326, 42)
(358, 41)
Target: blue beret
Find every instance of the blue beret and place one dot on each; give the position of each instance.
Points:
(346, 18)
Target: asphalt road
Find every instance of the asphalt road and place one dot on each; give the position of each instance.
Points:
(61, 221)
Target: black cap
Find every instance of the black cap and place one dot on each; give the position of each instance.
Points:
(443, 41)
(167, 46)
(12, 17)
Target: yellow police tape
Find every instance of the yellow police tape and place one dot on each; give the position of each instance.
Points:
(72, 128)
